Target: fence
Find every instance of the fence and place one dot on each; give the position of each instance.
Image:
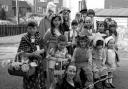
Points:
(10, 30)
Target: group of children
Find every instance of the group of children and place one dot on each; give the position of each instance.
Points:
(91, 53)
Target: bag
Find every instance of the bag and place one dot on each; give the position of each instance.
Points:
(18, 68)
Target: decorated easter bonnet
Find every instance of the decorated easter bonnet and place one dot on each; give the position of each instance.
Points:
(108, 39)
(51, 6)
(64, 10)
(98, 37)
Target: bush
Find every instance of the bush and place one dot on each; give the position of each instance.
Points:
(3, 14)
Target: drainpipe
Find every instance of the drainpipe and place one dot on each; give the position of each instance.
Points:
(17, 12)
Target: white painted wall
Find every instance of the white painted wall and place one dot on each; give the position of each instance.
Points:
(72, 5)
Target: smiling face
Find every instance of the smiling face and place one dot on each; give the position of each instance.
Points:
(32, 30)
(111, 43)
(83, 43)
(101, 28)
(57, 22)
(71, 72)
(61, 45)
(74, 27)
(88, 22)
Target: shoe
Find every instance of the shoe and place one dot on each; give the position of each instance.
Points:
(112, 85)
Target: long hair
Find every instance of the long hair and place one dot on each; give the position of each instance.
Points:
(53, 26)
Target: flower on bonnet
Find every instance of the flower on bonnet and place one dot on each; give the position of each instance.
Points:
(64, 10)
(97, 37)
(108, 39)
(51, 6)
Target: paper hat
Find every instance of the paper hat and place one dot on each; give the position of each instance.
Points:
(83, 11)
(84, 7)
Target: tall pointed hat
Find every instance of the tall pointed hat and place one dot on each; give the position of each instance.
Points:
(84, 7)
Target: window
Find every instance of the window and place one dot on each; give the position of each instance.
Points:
(5, 7)
(44, 10)
(56, 1)
(39, 9)
(43, 0)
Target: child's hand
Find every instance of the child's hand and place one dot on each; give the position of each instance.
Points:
(91, 86)
(39, 51)
(90, 62)
(68, 56)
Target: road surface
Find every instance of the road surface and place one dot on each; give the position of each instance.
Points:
(12, 82)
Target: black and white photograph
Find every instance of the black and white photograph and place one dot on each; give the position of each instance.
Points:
(63, 44)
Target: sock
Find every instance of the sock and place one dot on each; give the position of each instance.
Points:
(110, 80)
(107, 81)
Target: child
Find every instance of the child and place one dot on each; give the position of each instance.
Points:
(82, 57)
(100, 27)
(99, 59)
(74, 31)
(54, 54)
(91, 13)
(72, 34)
(30, 43)
(87, 27)
(111, 58)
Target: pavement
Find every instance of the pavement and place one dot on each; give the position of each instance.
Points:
(8, 50)
(10, 39)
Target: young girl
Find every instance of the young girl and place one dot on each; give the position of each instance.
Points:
(99, 59)
(100, 27)
(68, 82)
(54, 32)
(60, 52)
(87, 27)
(82, 57)
(111, 58)
(71, 35)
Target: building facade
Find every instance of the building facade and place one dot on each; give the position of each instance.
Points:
(41, 5)
(10, 7)
(7, 5)
(115, 4)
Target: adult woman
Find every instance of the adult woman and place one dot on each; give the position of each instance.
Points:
(68, 82)
(45, 24)
(65, 13)
(51, 37)
(54, 32)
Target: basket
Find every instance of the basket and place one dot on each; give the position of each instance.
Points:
(18, 71)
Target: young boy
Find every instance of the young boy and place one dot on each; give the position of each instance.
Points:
(30, 43)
